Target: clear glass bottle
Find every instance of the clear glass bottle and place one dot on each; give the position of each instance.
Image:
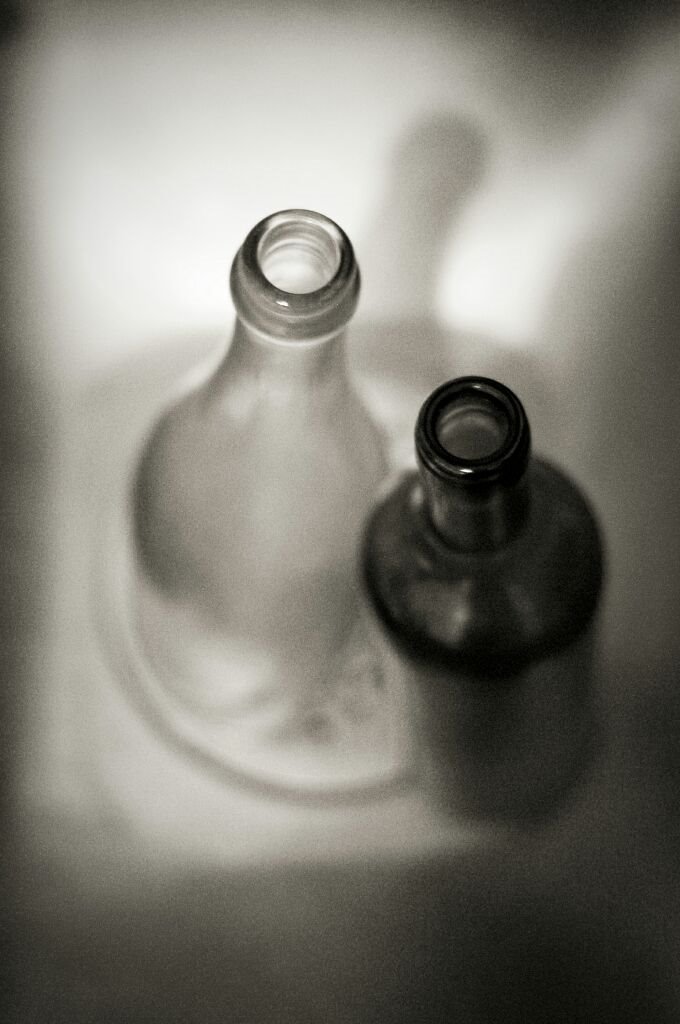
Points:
(251, 492)
(484, 570)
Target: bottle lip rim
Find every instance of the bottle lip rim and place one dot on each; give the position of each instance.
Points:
(294, 316)
(506, 463)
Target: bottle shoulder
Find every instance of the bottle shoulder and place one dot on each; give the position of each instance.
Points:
(266, 429)
(491, 611)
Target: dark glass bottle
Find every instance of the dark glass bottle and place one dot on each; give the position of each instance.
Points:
(484, 569)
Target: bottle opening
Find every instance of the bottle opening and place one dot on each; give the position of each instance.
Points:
(295, 277)
(472, 428)
(299, 256)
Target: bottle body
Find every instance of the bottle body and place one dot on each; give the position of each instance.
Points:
(250, 494)
(486, 592)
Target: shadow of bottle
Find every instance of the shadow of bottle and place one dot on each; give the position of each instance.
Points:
(399, 349)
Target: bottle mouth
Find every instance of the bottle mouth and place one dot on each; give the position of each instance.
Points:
(295, 276)
(299, 255)
(473, 430)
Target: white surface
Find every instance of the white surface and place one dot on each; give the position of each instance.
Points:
(149, 144)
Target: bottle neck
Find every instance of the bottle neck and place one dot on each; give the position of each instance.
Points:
(254, 354)
(481, 519)
(473, 443)
(295, 285)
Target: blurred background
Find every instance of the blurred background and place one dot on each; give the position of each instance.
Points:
(509, 174)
